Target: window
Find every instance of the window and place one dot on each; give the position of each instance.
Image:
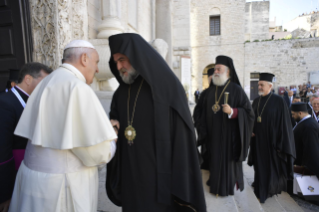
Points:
(214, 25)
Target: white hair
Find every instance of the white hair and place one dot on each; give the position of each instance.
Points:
(73, 54)
(270, 83)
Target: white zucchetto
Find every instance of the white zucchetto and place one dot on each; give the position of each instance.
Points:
(79, 44)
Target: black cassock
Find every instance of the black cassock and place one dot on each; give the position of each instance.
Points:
(272, 149)
(225, 140)
(10, 112)
(307, 145)
(197, 114)
(162, 166)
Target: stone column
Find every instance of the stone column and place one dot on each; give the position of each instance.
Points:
(164, 25)
(110, 25)
(104, 83)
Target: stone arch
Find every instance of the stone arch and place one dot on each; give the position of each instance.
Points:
(215, 11)
(205, 75)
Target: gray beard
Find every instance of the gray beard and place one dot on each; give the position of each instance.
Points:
(130, 78)
(221, 80)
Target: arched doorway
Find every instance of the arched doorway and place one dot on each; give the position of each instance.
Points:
(205, 82)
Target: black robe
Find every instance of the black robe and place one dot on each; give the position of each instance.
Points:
(162, 164)
(306, 135)
(226, 141)
(198, 110)
(272, 149)
(10, 113)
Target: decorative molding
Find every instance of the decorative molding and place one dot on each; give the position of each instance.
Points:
(43, 18)
(54, 24)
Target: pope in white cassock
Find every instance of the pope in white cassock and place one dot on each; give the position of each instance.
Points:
(69, 136)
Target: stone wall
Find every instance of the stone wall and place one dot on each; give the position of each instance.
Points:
(181, 33)
(289, 60)
(205, 48)
(257, 20)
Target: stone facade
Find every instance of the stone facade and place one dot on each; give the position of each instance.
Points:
(182, 24)
(205, 48)
(289, 60)
(257, 20)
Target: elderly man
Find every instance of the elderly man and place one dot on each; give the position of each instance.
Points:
(12, 103)
(224, 129)
(315, 108)
(272, 149)
(156, 167)
(289, 98)
(69, 136)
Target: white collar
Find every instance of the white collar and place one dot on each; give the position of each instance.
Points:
(22, 90)
(304, 118)
(74, 70)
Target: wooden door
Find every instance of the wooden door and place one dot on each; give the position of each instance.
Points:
(253, 90)
(15, 37)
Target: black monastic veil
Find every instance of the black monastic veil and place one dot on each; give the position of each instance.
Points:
(176, 158)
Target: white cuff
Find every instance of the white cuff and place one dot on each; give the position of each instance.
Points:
(113, 148)
(231, 113)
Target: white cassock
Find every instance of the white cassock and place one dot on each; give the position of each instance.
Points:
(69, 136)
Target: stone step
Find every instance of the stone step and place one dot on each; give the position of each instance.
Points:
(244, 201)
(278, 203)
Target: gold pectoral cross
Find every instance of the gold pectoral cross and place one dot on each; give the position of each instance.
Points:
(259, 119)
(216, 108)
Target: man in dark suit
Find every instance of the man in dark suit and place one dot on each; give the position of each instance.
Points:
(289, 98)
(11, 107)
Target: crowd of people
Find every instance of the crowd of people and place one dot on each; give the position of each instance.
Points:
(55, 134)
(310, 13)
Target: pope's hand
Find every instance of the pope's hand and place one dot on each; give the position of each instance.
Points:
(226, 109)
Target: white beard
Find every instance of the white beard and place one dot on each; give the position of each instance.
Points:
(130, 78)
(260, 93)
(221, 80)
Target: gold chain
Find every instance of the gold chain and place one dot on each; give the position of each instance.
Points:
(264, 105)
(128, 103)
(216, 102)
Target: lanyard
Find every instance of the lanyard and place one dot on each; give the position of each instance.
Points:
(301, 121)
(18, 96)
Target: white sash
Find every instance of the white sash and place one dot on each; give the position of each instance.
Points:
(18, 96)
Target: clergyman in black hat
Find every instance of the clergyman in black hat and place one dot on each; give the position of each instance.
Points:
(156, 166)
(224, 129)
(306, 134)
(272, 149)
